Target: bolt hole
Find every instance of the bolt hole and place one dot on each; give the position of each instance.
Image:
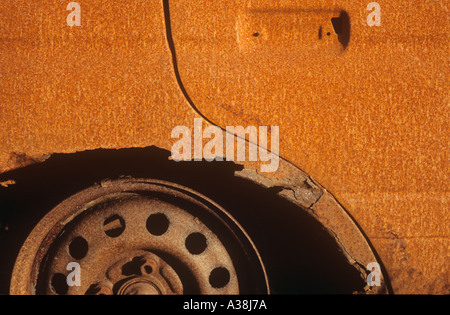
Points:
(148, 269)
(219, 277)
(196, 243)
(255, 34)
(157, 224)
(59, 284)
(78, 248)
(114, 226)
(328, 34)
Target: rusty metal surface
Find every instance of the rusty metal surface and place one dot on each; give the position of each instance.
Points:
(300, 189)
(368, 123)
(276, 211)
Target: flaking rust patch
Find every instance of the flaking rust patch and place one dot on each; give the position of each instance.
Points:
(299, 188)
(7, 183)
(18, 160)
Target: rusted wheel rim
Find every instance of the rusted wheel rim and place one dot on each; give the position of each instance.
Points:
(139, 237)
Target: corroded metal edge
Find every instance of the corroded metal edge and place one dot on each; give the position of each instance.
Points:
(299, 188)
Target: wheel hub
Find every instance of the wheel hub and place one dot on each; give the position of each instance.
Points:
(138, 273)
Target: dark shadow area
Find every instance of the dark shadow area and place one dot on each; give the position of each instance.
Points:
(299, 254)
(341, 26)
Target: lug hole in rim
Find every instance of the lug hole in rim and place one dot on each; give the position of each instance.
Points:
(157, 224)
(78, 248)
(114, 226)
(59, 284)
(219, 277)
(196, 243)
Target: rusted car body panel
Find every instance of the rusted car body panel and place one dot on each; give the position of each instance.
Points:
(366, 120)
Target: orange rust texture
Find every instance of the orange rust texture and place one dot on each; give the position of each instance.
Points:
(368, 123)
(108, 83)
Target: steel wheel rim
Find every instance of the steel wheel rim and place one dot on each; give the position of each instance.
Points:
(115, 214)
